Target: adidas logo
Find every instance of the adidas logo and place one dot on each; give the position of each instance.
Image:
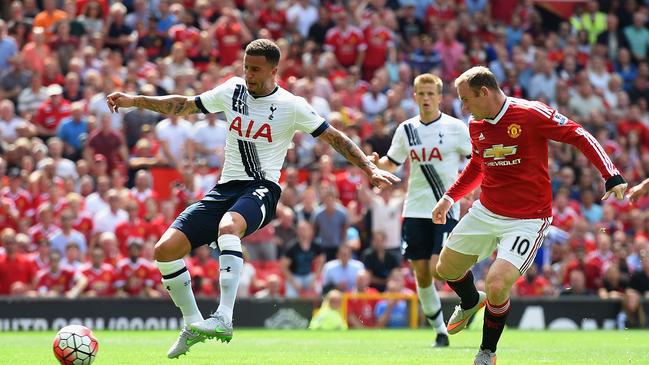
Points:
(481, 137)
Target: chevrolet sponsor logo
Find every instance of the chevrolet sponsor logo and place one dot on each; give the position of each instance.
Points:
(504, 163)
(499, 152)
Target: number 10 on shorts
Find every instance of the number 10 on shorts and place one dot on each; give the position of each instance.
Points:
(520, 246)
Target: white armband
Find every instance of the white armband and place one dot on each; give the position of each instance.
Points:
(446, 197)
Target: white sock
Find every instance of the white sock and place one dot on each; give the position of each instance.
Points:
(178, 282)
(231, 265)
(432, 307)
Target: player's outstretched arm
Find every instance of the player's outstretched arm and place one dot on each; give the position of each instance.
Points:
(346, 147)
(638, 191)
(169, 104)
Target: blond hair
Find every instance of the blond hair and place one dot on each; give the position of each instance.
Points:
(429, 79)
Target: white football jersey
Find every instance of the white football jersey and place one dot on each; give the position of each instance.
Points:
(260, 129)
(434, 151)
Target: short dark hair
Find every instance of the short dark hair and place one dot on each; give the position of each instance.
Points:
(478, 77)
(266, 48)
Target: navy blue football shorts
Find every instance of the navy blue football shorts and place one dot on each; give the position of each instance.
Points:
(255, 200)
(421, 238)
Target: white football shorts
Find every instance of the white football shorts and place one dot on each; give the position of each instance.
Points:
(481, 231)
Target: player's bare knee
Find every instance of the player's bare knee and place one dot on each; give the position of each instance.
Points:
(497, 290)
(166, 250)
(442, 273)
(231, 228)
(424, 279)
(232, 223)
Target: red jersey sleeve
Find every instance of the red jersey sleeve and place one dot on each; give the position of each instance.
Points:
(560, 128)
(469, 179)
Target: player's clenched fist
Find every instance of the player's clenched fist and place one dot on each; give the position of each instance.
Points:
(118, 100)
(440, 210)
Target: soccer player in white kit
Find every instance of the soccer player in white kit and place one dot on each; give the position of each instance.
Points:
(262, 118)
(435, 144)
(510, 163)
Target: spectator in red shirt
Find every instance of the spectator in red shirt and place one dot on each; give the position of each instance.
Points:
(380, 46)
(231, 34)
(133, 228)
(57, 280)
(51, 112)
(20, 197)
(142, 190)
(106, 142)
(108, 242)
(347, 183)
(360, 312)
(82, 221)
(101, 276)
(186, 33)
(344, 40)
(46, 226)
(135, 274)
(563, 215)
(205, 272)
(633, 124)
(52, 73)
(590, 272)
(603, 255)
(273, 19)
(17, 271)
(532, 284)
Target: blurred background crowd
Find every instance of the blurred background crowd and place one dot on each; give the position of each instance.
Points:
(85, 194)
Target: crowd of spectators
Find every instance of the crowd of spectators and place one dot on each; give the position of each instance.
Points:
(79, 214)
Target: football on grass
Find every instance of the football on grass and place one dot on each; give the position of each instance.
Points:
(75, 345)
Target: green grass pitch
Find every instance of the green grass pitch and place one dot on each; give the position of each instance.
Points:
(354, 347)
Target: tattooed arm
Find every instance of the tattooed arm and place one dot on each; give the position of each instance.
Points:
(169, 105)
(346, 147)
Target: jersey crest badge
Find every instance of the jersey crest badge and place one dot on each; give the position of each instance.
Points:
(514, 130)
(272, 110)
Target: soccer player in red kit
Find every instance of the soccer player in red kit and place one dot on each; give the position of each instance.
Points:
(510, 163)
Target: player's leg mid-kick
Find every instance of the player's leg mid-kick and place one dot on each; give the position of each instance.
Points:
(219, 324)
(454, 268)
(169, 253)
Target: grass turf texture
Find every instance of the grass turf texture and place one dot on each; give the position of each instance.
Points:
(355, 347)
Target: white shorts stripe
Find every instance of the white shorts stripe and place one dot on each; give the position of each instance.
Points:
(537, 244)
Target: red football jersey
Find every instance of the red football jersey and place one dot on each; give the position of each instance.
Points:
(83, 224)
(379, 40)
(126, 231)
(18, 269)
(510, 158)
(60, 281)
(101, 280)
(536, 288)
(22, 200)
(134, 277)
(208, 271)
(345, 44)
(274, 20)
